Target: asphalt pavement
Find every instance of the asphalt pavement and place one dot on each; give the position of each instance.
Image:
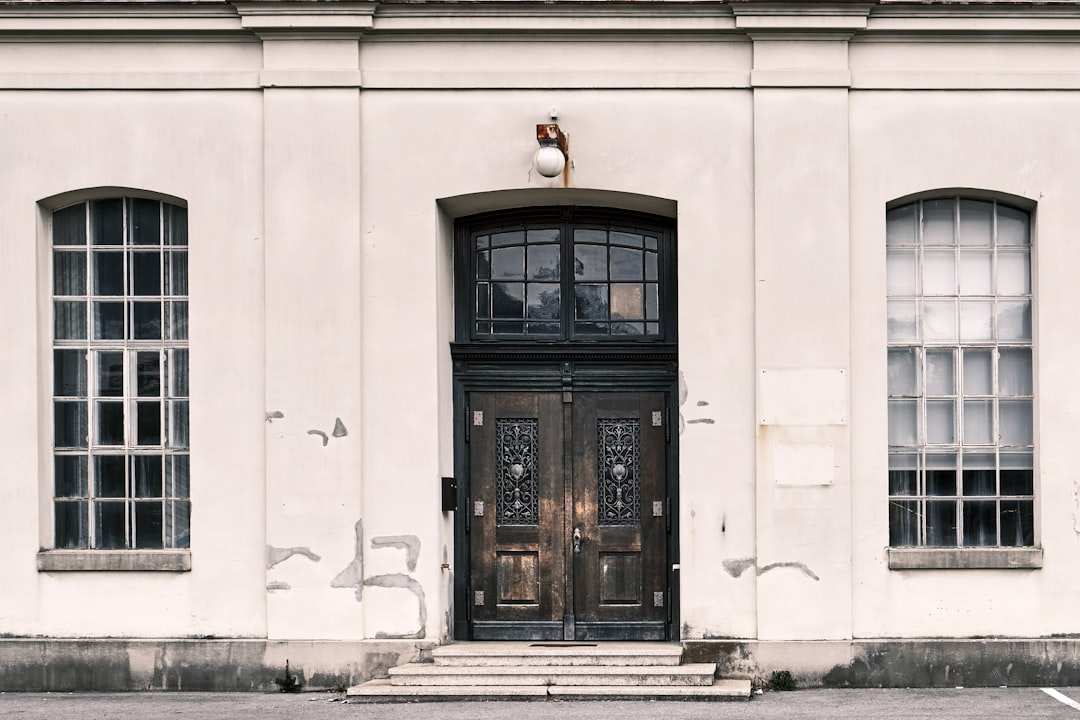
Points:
(936, 704)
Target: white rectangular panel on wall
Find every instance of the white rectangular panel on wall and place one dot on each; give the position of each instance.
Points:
(803, 396)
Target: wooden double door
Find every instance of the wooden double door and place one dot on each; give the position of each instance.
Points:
(568, 516)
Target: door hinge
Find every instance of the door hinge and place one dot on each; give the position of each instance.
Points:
(468, 424)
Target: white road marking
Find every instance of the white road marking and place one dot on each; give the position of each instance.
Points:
(1063, 698)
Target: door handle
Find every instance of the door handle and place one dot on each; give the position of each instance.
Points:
(577, 540)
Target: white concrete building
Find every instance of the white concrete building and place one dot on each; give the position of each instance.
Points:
(778, 366)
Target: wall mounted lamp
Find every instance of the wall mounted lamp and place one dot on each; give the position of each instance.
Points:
(550, 159)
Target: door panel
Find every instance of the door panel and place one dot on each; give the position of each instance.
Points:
(567, 516)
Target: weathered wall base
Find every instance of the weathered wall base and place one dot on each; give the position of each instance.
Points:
(31, 664)
(899, 663)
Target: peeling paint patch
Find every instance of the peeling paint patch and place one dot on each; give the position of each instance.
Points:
(704, 421)
(409, 543)
(403, 582)
(274, 415)
(321, 434)
(353, 574)
(702, 403)
(274, 585)
(276, 555)
(735, 567)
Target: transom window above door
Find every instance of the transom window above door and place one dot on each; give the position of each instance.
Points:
(541, 277)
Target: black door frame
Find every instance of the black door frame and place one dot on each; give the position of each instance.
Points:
(609, 365)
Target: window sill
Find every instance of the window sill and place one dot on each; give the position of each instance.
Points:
(114, 560)
(1020, 558)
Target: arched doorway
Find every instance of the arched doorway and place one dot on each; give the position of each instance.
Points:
(565, 369)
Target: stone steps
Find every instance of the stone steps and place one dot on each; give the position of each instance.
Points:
(542, 671)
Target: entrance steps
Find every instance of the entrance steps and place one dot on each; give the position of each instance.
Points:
(552, 670)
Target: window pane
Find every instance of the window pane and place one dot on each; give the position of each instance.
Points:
(543, 262)
(626, 264)
(508, 328)
(903, 379)
(108, 273)
(938, 222)
(1017, 523)
(483, 300)
(1014, 371)
(146, 320)
(483, 265)
(900, 226)
(108, 321)
(145, 222)
(903, 427)
(941, 523)
(978, 372)
(902, 326)
(148, 524)
(980, 523)
(900, 272)
(1016, 422)
(903, 474)
(70, 473)
(69, 225)
(978, 422)
(177, 320)
(110, 423)
(977, 320)
(590, 236)
(508, 263)
(627, 328)
(109, 525)
(110, 374)
(650, 266)
(1017, 477)
(623, 238)
(147, 475)
(1014, 320)
(626, 301)
(177, 480)
(69, 320)
(590, 262)
(176, 270)
(178, 230)
(903, 523)
(939, 272)
(148, 423)
(508, 300)
(1014, 271)
(107, 222)
(941, 474)
(69, 424)
(72, 525)
(940, 372)
(976, 277)
(69, 373)
(542, 235)
(516, 237)
(940, 422)
(652, 302)
(1012, 226)
(543, 328)
(178, 424)
(178, 373)
(148, 380)
(109, 478)
(69, 273)
(544, 301)
(177, 524)
(939, 320)
(979, 474)
(591, 302)
(976, 222)
(145, 270)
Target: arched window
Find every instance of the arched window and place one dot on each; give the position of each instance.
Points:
(120, 374)
(960, 381)
(555, 275)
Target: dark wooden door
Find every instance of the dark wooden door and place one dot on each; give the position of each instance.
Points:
(568, 516)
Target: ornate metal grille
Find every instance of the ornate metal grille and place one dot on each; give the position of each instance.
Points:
(517, 441)
(619, 471)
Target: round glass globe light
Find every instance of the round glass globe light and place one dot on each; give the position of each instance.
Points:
(549, 160)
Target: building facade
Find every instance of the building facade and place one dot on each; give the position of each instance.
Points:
(305, 358)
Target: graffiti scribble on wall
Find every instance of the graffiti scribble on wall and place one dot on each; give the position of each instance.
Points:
(353, 575)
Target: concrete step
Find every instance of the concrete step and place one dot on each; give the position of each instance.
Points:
(381, 691)
(700, 674)
(493, 654)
